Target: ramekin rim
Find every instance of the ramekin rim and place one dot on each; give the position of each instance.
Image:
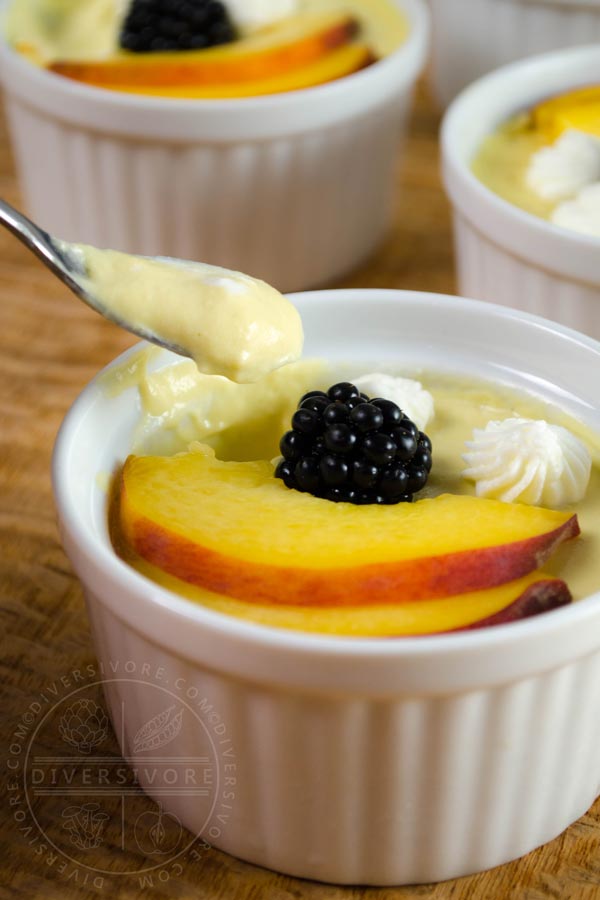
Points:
(414, 44)
(127, 578)
(459, 167)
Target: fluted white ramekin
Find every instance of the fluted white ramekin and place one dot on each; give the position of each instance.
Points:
(295, 188)
(377, 761)
(472, 37)
(503, 253)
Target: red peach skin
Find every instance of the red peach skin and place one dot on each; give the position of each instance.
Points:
(538, 598)
(403, 581)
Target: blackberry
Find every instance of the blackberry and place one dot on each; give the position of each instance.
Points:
(392, 414)
(365, 474)
(405, 442)
(340, 438)
(347, 448)
(366, 417)
(159, 25)
(336, 413)
(316, 403)
(292, 445)
(306, 421)
(307, 475)
(285, 471)
(343, 391)
(334, 470)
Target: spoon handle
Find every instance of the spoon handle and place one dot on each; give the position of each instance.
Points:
(39, 242)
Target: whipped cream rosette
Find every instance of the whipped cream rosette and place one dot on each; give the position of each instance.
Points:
(528, 461)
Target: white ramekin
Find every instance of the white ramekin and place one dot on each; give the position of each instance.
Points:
(504, 254)
(365, 761)
(294, 188)
(472, 37)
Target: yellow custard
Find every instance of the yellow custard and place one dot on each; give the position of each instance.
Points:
(502, 162)
(229, 323)
(65, 29)
(383, 26)
(460, 405)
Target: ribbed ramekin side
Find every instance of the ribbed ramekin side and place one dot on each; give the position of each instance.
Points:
(296, 211)
(487, 271)
(358, 789)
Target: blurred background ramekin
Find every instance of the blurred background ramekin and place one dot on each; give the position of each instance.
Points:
(382, 761)
(294, 188)
(472, 37)
(503, 253)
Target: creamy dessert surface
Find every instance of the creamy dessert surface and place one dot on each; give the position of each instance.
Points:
(89, 29)
(180, 405)
(502, 161)
(229, 323)
(382, 23)
(65, 29)
(251, 431)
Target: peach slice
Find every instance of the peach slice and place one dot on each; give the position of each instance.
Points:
(302, 41)
(532, 594)
(576, 109)
(234, 529)
(541, 595)
(337, 64)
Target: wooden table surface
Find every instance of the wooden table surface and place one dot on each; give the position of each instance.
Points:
(50, 346)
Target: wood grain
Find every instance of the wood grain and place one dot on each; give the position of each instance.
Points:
(50, 346)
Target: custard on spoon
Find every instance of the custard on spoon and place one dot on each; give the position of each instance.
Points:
(230, 324)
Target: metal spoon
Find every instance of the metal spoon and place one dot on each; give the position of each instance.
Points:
(67, 264)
